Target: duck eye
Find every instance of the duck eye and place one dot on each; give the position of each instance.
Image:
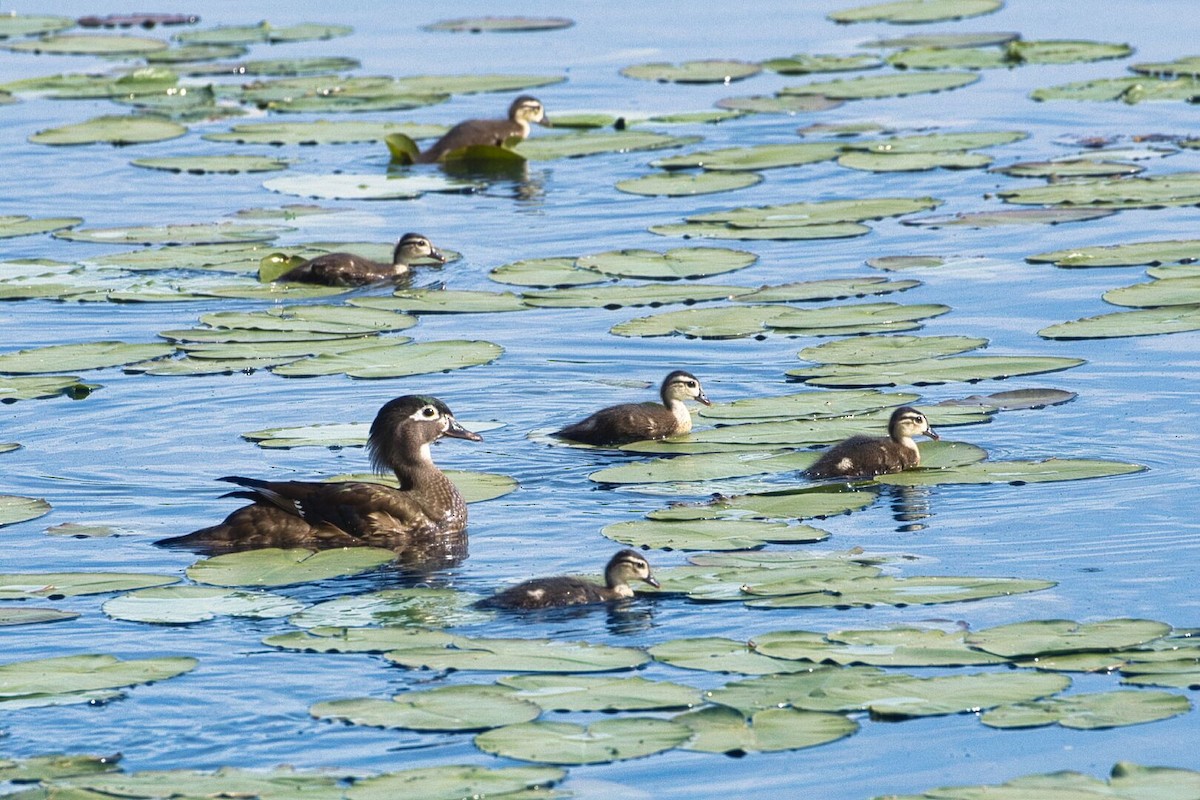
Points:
(429, 412)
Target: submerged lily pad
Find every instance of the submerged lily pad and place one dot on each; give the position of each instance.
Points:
(446, 708)
(877, 86)
(112, 129)
(1143, 322)
(680, 262)
(718, 729)
(591, 693)
(1089, 711)
(348, 186)
(79, 357)
(908, 12)
(273, 566)
(678, 184)
(693, 71)
(710, 534)
(86, 673)
(14, 509)
(599, 743)
(199, 165)
(55, 585)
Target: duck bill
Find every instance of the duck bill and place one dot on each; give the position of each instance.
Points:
(931, 433)
(545, 122)
(653, 581)
(437, 256)
(703, 398)
(456, 431)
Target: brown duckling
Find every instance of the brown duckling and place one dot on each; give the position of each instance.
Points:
(633, 422)
(327, 515)
(523, 111)
(347, 269)
(625, 566)
(864, 456)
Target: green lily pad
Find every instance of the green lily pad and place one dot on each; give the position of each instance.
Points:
(1187, 65)
(1180, 188)
(197, 234)
(176, 605)
(704, 467)
(444, 301)
(1012, 216)
(805, 64)
(226, 782)
(349, 186)
(1128, 781)
(273, 566)
(32, 616)
(678, 184)
(591, 693)
(1012, 400)
(1130, 90)
(199, 165)
(394, 360)
(78, 357)
(816, 404)
(360, 640)
(680, 262)
(499, 24)
(908, 12)
(937, 142)
(14, 225)
(772, 104)
(316, 65)
(309, 320)
(718, 230)
(718, 729)
(599, 743)
(472, 83)
(622, 296)
(1013, 472)
(912, 162)
(191, 53)
(80, 531)
(932, 370)
(878, 86)
(1048, 637)
(1157, 293)
(1011, 54)
(85, 673)
(89, 44)
(15, 25)
(56, 585)
(588, 143)
(46, 768)
(519, 655)
(894, 647)
(13, 389)
(945, 40)
(1182, 674)
(819, 213)
(807, 503)
(430, 608)
(1143, 322)
(888, 350)
(547, 272)
(322, 131)
(456, 781)
(1070, 168)
(264, 32)
(693, 71)
(1170, 251)
(446, 708)
(825, 289)
(112, 129)
(710, 534)
(718, 654)
(884, 590)
(766, 156)
(1089, 711)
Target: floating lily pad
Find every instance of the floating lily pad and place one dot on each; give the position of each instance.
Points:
(678, 184)
(80, 531)
(945, 40)
(394, 360)
(191, 53)
(519, 655)
(430, 608)
(913, 162)
(1170, 251)
(681, 262)
(347, 186)
(78, 357)
(547, 272)
(826, 289)
(197, 234)
(805, 64)
(1013, 216)
(176, 605)
(819, 213)
(15, 225)
(1011, 54)
(1013, 400)
(276, 567)
(587, 143)
(444, 301)
(89, 44)
(446, 708)
(1166, 292)
(1144, 322)
(1089, 711)
(199, 165)
(693, 72)
(813, 404)
(316, 65)
(599, 743)
(931, 370)
(322, 131)
(264, 32)
(590, 693)
(766, 156)
(888, 350)
(15, 25)
(772, 104)
(472, 83)
(808, 503)
(1180, 188)
(1182, 674)
(1130, 90)
(885, 590)
(621, 296)
(894, 647)
(360, 640)
(112, 129)
(718, 230)
(1014, 472)
(1048, 637)
(711, 466)
(718, 654)
(1070, 168)
(308, 320)
(56, 585)
(717, 534)
(499, 24)
(14, 509)
(32, 616)
(937, 142)
(85, 673)
(718, 729)
(908, 12)
(13, 389)
(457, 781)
(877, 86)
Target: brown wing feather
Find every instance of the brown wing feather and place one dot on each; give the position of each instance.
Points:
(471, 132)
(338, 269)
(548, 593)
(630, 422)
(862, 456)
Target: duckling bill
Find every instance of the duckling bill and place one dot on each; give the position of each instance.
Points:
(560, 592)
(864, 456)
(635, 422)
(326, 515)
(347, 269)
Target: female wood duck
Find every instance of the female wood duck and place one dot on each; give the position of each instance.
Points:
(633, 422)
(864, 456)
(496, 132)
(327, 515)
(625, 566)
(347, 269)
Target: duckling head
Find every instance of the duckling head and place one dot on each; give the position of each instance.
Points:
(628, 565)
(907, 422)
(413, 247)
(680, 385)
(527, 109)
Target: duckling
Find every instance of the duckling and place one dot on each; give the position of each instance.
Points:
(561, 591)
(633, 422)
(328, 515)
(347, 269)
(523, 111)
(864, 456)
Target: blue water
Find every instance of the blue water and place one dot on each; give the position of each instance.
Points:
(141, 454)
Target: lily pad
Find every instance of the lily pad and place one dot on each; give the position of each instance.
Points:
(32, 616)
(309, 320)
(588, 143)
(547, 272)
(888, 350)
(112, 129)
(765, 156)
(14, 25)
(878, 86)
(681, 262)
(805, 64)
(315, 65)
(1153, 253)
(772, 104)
(196, 234)
(264, 32)
(884, 590)
(693, 72)
(455, 781)
(444, 301)
(718, 230)
(719, 654)
(1128, 780)
(718, 729)
(89, 44)
(199, 165)
(419, 606)
(814, 404)
(190, 53)
(932, 371)
(446, 708)
(704, 467)
(394, 360)
(13, 389)
(908, 12)
(818, 213)
(1165, 292)
(322, 131)
(349, 186)
(912, 162)
(472, 83)
(1011, 54)
(80, 531)
(79, 357)
(519, 655)
(1048, 637)
(360, 640)
(678, 184)
(654, 294)
(1089, 711)
(894, 647)
(273, 566)
(56, 585)
(500, 24)
(591, 693)
(1143, 322)
(1013, 216)
(1129, 90)
(1176, 189)
(1182, 674)
(1016, 473)
(85, 673)
(711, 534)
(599, 743)
(178, 605)
(1070, 168)
(14, 225)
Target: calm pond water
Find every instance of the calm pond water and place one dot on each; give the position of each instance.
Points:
(141, 454)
